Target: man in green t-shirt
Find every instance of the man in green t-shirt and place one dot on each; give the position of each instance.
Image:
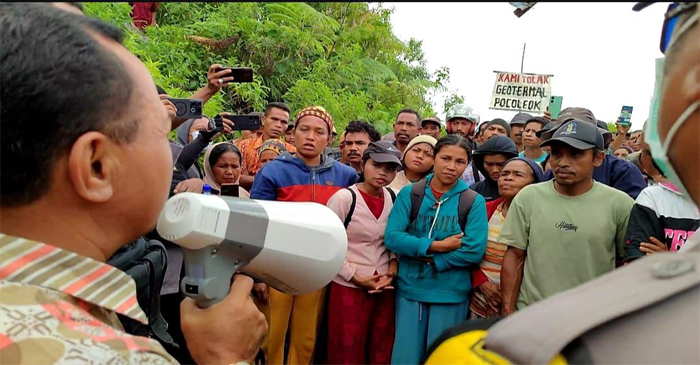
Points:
(565, 232)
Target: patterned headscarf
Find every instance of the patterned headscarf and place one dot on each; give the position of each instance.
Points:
(317, 111)
(273, 145)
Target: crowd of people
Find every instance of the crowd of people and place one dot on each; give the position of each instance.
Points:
(446, 222)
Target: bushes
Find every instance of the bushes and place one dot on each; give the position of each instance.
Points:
(342, 56)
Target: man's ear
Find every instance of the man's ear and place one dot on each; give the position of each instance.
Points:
(598, 158)
(92, 165)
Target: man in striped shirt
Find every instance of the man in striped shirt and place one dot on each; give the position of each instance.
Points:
(86, 167)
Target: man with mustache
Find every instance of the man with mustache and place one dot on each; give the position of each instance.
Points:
(517, 127)
(406, 127)
(431, 126)
(563, 233)
(358, 135)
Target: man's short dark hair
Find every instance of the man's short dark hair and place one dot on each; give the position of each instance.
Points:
(357, 126)
(409, 111)
(278, 105)
(57, 82)
(539, 120)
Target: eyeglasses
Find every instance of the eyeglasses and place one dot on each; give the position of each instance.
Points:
(671, 20)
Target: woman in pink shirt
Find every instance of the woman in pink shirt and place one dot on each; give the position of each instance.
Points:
(361, 305)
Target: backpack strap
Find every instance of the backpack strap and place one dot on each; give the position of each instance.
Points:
(466, 200)
(417, 195)
(348, 217)
(392, 193)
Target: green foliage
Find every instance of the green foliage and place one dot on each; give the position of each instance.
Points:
(612, 127)
(342, 56)
(451, 101)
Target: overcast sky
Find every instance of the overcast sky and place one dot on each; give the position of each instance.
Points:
(601, 54)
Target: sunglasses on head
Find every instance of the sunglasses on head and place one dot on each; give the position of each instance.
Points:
(673, 13)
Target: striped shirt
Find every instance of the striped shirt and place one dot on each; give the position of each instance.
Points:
(492, 262)
(60, 307)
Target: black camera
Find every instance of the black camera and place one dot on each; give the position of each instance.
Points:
(187, 108)
(216, 124)
(244, 122)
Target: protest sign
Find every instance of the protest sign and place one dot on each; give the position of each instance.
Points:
(521, 92)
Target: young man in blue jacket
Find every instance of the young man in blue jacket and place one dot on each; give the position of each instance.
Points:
(614, 172)
(310, 176)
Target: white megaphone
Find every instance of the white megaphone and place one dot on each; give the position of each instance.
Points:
(296, 248)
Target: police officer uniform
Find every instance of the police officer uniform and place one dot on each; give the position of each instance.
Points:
(647, 312)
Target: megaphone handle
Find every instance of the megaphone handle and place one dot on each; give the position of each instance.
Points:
(208, 275)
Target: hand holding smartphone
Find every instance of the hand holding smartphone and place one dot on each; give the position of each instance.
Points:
(243, 122)
(230, 190)
(239, 74)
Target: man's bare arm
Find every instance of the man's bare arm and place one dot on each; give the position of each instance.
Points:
(215, 81)
(511, 278)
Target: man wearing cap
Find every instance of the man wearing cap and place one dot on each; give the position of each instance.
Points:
(567, 231)
(490, 158)
(496, 127)
(462, 120)
(406, 127)
(310, 176)
(517, 126)
(614, 172)
(432, 126)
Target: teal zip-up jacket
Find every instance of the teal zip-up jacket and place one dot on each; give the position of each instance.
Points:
(449, 280)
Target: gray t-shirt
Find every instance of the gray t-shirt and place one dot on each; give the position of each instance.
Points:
(569, 240)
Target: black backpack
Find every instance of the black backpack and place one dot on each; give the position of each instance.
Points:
(348, 217)
(466, 199)
(146, 261)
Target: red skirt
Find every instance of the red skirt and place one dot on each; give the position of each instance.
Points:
(360, 326)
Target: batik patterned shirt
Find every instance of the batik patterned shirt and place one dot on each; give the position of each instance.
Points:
(57, 307)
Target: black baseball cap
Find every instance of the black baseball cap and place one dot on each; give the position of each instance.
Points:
(578, 134)
(566, 115)
(520, 119)
(383, 152)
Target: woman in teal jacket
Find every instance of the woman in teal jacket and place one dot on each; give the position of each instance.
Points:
(436, 256)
